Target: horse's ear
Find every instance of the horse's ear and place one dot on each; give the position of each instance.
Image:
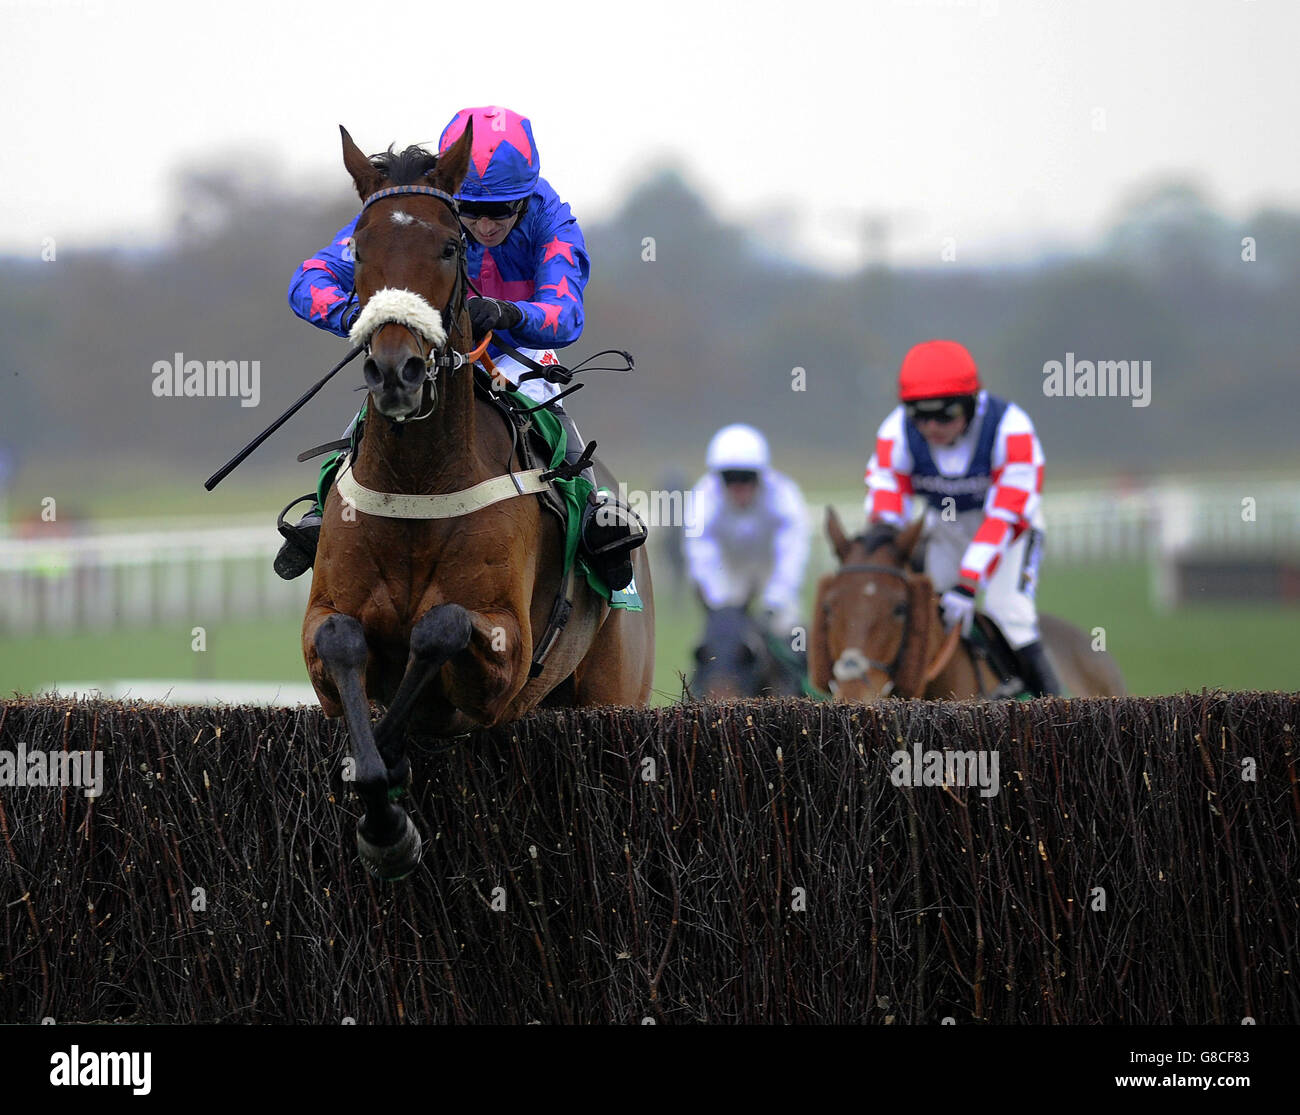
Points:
(905, 543)
(819, 653)
(453, 164)
(840, 542)
(365, 177)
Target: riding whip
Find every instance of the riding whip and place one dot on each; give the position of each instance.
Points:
(238, 459)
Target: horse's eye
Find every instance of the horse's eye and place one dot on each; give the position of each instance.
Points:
(449, 251)
(900, 610)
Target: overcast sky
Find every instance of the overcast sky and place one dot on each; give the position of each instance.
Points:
(1008, 125)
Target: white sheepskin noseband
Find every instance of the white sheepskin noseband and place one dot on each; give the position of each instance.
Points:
(398, 307)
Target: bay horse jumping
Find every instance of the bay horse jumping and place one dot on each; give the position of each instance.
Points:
(439, 616)
(877, 632)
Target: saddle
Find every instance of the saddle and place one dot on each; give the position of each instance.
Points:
(531, 446)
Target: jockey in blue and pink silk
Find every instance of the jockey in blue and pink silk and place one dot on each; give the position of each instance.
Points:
(528, 260)
(538, 264)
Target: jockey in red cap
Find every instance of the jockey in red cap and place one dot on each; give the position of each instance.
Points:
(976, 461)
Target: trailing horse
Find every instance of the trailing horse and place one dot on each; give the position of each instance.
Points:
(440, 586)
(877, 632)
(735, 659)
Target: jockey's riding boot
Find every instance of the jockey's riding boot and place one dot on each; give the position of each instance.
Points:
(1039, 675)
(610, 530)
(298, 554)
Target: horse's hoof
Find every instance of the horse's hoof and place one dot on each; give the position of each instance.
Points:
(391, 862)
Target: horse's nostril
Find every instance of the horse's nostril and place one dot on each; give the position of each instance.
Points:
(413, 370)
(371, 372)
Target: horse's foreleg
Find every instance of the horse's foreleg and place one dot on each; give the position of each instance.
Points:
(437, 635)
(387, 840)
(484, 679)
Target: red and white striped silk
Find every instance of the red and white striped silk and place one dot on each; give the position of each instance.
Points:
(1011, 503)
(889, 475)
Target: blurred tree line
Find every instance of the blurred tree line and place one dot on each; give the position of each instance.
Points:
(716, 321)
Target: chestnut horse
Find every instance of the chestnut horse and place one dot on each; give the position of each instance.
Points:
(438, 617)
(877, 632)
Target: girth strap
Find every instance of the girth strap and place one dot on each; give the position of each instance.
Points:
(450, 505)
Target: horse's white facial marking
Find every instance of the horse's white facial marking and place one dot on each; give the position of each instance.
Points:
(870, 589)
(850, 665)
(402, 218)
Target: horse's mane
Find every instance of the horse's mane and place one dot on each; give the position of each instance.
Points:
(404, 168)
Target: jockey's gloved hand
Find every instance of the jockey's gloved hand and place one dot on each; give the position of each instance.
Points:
(491, 313)
(350, 314)
(958, 607)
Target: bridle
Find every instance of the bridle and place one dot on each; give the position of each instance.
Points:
(853, 664)
(444, 355)
(440, 355)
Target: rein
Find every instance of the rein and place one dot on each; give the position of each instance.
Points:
(452, 358)
(853, 665)
(440, 354)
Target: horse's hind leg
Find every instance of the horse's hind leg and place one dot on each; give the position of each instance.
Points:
(387, 840)
(438, 634)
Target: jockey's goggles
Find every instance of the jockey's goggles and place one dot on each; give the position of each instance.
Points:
(739, 476)
(492, 210)
(935, 410)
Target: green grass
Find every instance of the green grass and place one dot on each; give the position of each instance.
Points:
(245, 651)
(1229, 647)
(1188, 648)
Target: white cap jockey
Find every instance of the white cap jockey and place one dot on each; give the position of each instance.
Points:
(738, 447)
(746, 530)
